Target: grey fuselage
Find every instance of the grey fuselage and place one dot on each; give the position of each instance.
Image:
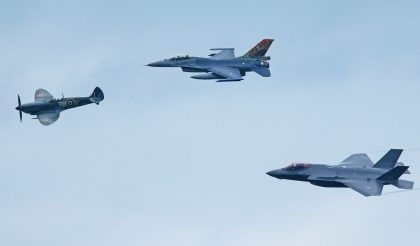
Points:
(201, 64)
(329, 176)
(54, 105)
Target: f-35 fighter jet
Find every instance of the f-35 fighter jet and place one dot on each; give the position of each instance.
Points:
(47, 109)
(223, 66)
(356, 172)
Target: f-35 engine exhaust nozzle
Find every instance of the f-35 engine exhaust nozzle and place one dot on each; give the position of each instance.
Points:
(19, 107)
(97, 95)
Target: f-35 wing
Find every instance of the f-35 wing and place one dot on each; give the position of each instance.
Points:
(231, 74)
(225, 53)
(47, 118)
(365, 187)
(357, 160)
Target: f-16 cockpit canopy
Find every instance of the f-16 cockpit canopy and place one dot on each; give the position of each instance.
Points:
(179, 58)
(296, 166)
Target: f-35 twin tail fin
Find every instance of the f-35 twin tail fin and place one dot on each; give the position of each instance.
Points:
(389, 160)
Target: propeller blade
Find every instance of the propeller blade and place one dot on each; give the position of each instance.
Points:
(20, 108)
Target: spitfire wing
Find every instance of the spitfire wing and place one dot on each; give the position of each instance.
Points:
(227, 72)
(358, 160)
(47, 118)
(366, 188)
(42, 95)
(225, 53)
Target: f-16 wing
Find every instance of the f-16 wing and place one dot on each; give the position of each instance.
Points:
(231, 74)
(225, 53)
(47, 118)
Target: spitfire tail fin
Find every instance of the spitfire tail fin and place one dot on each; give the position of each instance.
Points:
(389, 160)
(259, 50)
(97, 95)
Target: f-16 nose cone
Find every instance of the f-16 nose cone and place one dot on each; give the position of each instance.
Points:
(154, 64)
(272, 173)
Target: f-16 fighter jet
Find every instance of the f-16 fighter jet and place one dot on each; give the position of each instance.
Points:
(47, 109)
(223, 66)
(356, 172)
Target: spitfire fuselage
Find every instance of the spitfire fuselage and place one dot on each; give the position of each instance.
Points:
(54, 105)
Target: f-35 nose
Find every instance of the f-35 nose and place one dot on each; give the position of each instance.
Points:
(276, 173)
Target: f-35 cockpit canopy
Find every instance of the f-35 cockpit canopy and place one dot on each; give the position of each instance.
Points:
(296, 166)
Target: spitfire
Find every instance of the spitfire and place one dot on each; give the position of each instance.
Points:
(356, 172)
(47, 108)
(223, 66)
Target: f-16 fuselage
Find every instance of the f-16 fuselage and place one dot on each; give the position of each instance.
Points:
(223, 66)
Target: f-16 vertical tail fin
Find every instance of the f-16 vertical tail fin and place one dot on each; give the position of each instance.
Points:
(259, 50)
(389, 160)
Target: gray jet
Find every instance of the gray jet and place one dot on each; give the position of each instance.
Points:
(223, 66)
(356, 172)
(47, 108)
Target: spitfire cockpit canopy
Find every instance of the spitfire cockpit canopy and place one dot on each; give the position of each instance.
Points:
(179, 58)
(296, 166)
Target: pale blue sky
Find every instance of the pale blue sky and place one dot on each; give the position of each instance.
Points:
(168, 160)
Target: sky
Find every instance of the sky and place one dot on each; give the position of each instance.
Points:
(169, 160)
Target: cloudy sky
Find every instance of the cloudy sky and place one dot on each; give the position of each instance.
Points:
(168, 160)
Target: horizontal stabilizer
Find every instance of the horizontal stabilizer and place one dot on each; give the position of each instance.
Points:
(389, 160)
(403, 184)
(263, 71)
(402, 164)
(394, 173)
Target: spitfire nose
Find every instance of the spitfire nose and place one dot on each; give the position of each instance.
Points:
(17, 108)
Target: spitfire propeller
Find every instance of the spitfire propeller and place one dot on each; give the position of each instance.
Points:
(19, 107)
